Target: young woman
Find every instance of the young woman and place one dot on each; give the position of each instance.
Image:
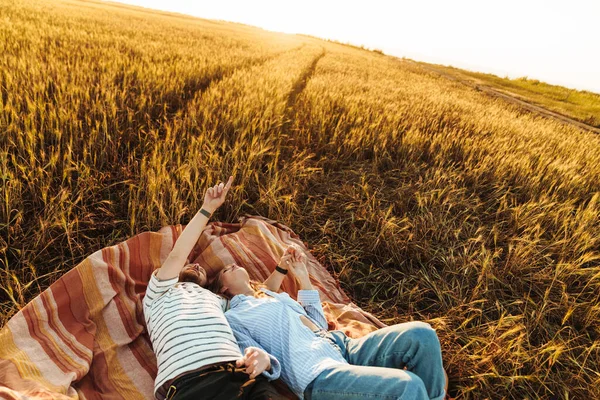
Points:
(196, 351)
(402, 361)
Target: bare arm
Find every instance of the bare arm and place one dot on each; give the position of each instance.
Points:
(291, 255)
(213, 198)
(274, 281)
(308, 297)
(297, 267)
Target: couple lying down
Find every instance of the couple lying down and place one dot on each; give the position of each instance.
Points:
(231, 341)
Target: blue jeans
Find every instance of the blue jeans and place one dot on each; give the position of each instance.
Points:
(376, 363)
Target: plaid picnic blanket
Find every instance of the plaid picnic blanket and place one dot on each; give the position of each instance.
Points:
(85, 336)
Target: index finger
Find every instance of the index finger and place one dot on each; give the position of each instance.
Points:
(251, 356)
(229, 182)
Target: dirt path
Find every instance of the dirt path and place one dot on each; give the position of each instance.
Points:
(511, 98)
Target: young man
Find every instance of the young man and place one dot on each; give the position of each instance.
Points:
(196, 351)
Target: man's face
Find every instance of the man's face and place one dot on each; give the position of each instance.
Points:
(193, 273)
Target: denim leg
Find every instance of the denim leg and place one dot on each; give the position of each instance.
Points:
(412, 344)
(353, 382)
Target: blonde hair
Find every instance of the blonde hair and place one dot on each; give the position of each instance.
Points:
(256, 286)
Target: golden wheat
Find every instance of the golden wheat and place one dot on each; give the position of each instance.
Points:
(426, 199)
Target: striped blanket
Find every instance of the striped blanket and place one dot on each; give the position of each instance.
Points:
(85, 337)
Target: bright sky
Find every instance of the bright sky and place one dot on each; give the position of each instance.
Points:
(554, 41)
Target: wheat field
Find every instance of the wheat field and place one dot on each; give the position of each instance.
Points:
(426, 199)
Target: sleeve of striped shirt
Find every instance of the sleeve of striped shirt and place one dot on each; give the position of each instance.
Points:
(310, 300)
(244, 341)
(223, 302)
(157, 287)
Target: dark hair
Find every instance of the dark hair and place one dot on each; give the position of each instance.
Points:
(215, 285)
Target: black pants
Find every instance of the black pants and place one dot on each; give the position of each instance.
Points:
(223, 382)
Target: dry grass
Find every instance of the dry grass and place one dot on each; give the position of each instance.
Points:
(426, 199)
(581, 105)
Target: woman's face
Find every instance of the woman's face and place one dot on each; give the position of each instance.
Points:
(234, 280)
(193, 273)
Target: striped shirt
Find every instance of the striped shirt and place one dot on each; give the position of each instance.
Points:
(187, 329)
(273, 323)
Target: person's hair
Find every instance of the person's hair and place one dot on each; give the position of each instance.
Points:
(216, 284)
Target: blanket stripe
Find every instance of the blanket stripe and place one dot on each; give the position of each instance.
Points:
(85, 337)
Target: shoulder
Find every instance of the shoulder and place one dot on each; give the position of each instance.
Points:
(237, 300)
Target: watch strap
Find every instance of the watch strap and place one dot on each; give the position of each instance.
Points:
(281, 270)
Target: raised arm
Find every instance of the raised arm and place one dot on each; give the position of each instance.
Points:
(176, 260)
(308, 297)
(274, 281)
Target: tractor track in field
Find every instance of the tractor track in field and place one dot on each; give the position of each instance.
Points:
(300, 84)
(534, 108)
(195, 88)
(297, 88)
